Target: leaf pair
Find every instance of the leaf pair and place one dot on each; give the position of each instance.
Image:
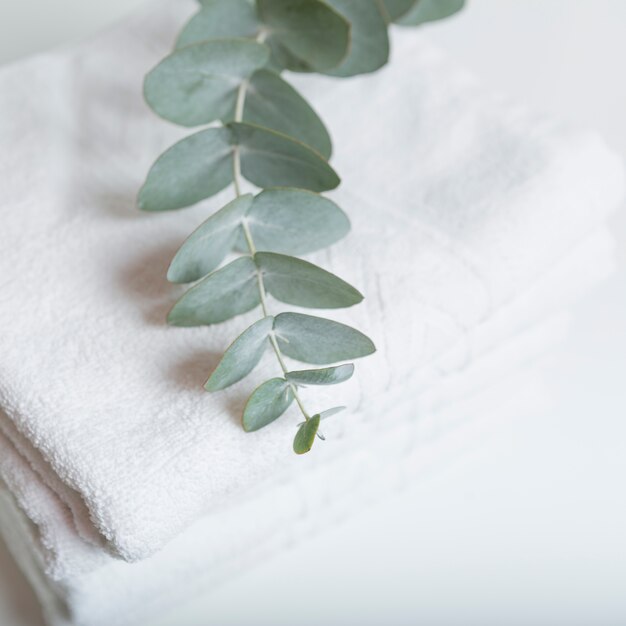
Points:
(269, 402)
(201, 165)
(303, 35)
(234, 289)
(302, 337)
(199, 84)
(284, 220)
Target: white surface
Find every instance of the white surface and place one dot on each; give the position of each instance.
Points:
(528, 531)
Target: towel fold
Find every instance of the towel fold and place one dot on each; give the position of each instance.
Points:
(473, 219)
(98, 590)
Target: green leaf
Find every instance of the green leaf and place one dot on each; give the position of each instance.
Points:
(209, 244)
(242, 356)
(198, 84)
(294, 221)
(330, 412)
(309, 30)
(270, 159)
(299, 282)
(325, 376)
(395, 9)
(305, 437)
(369, 48)
(429, 11)
(273, 103)
(223, 294)
(267, 403)
(319, 341)
(193, 169)
(220, 19)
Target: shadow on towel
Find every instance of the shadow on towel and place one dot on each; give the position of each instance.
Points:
(16, 594)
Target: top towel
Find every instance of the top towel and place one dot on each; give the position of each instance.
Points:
(458, 201)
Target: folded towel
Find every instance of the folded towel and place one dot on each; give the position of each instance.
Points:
(98, 590)
(459, 203)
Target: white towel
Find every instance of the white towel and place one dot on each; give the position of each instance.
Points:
(98, 590)
(459, 201)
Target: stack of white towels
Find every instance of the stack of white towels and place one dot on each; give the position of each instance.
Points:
(126, 487)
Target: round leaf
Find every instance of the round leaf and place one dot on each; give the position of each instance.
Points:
(242, 356)
(198, 84)
(223, 294)
(309, 30)
(299, 282)
(369, 47)
(220, 19)
(193, 169)
(429, 11)
(270, 159)
(209, 244)
(325, 376)
(273, 103)
(294, 221)
(305, 437)
(319, 341)
(267, 403)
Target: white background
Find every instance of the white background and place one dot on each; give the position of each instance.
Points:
(530, 529)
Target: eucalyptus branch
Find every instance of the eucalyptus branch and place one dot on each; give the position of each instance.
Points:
(241, 98)
(226, 67)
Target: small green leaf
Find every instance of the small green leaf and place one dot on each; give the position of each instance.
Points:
(270, 159)
(369, 47)
(228, 292)
(299, 282)
(311, 31)
(198, 84)
(267, 403)
(273, 103)
(319, 341)
(330, 412)
(220, 19)
(242, 356)
(209, 244)
(305, 437)
(193, 169)
(325, 376)
(294, 221)
(429, 11)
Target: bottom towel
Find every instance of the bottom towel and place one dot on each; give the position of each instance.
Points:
(118, 593)
(439, 413)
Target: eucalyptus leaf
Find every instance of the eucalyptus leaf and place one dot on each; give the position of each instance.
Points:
(369, 45)
(228, 292)
(271, 159)
(319, 341)
(220, 19)
(267, 403)
(273, 103)
(309, 30)
(330, 412)
(305, 437)
(396, 9)
(299, 282)
(242, 356)
(325, 376)
(198, 84)
(294, 221)
(209, 244)
(429, 11)
(193, 169)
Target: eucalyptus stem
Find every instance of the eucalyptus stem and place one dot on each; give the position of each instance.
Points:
(239, 105)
